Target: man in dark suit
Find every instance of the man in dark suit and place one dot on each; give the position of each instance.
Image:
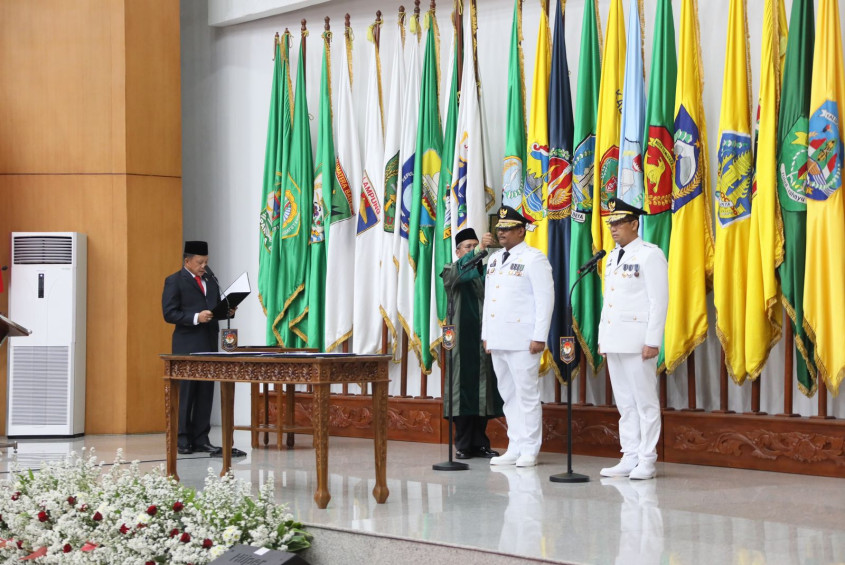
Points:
(188, 298)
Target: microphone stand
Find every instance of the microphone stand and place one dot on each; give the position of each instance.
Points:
(569, 476)
(451, 465)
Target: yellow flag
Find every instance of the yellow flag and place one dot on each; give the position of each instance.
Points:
(824, 286)
(608, 123)
(733, 195)
(535, 194)
(691, 246)
(763, 312)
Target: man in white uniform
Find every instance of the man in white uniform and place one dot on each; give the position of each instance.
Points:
(518, 303)
(636, 295)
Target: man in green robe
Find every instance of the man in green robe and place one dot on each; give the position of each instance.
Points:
(475, 395)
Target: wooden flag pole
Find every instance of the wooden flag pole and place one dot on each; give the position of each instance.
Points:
(788, 367)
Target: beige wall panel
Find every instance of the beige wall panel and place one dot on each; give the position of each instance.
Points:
(62, 96)
(155, 251)
(84, 204)
(153, 103)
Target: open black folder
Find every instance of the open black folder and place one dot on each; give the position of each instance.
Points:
(235, 294)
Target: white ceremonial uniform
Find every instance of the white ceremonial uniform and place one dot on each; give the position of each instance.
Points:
(636, 296)
(518, 303)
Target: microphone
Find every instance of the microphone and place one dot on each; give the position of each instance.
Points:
(591, 264)
(474, 262)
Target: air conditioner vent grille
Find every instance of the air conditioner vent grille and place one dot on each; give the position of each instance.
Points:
(40, 387)
(43, 250)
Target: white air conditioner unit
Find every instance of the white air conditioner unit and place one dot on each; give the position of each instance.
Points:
(46, 373)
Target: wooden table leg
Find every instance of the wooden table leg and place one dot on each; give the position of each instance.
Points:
(290, 416)
(321, 441)
(227, 416)
(380, 491)
(254, 420)
(171, 413)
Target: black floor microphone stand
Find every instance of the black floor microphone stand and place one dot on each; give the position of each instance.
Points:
(451, 465)
(569, 476)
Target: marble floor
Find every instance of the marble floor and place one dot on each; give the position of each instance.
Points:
(687, 515)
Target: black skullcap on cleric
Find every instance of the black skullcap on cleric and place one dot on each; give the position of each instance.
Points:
(464, 235)
(196, 248)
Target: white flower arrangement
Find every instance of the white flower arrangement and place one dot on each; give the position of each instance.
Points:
(74, 512)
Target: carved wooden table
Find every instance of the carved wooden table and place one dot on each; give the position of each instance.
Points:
(321, 371)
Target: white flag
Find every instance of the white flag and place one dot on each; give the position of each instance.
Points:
(392, 189)
(472, 196)
(368, 322)
(341, 252)
(405, 189)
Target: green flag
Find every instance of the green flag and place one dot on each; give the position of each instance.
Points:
(323, 173)
(295, 222)
(443, 227)
(513, 170)
(660, 131)
(586, 297)
(793, 124)
(427, 167)
(278, 140)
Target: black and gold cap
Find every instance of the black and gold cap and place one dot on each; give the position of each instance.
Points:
(621, 210)
(510, 218)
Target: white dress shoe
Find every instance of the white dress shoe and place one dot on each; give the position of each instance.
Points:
(509, 458)
(526, 461)
(643, 471)
(621, 469)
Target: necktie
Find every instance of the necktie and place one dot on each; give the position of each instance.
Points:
(199, 282)
(505, 256)
(621, 253)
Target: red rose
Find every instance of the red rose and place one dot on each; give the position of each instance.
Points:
(174, 532)
(97, 516)
(150, 563)
(185, 537)
(16, 496)
(178, 506)
(42, 516)
(67, 548)
(123, 529)
(207, 543)
(152, 510)
(20, 544)
(84, 507)
(71, 500)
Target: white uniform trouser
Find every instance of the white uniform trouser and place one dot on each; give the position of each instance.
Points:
(634, 384)
(517, 374)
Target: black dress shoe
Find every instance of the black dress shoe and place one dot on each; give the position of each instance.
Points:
(485, 452)
(462, 454)
(184, 450)
(206, 448)
(235, 453)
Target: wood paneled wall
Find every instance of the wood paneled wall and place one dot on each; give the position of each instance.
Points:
(90, 141)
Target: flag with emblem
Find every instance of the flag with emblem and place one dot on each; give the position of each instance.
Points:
(367, 321)
(513, 170)
(560, 184)
(390, 164)
(296, 214)
(443, 223)
(323, 173)
(631, 188)
(793, 122)
(763, 312)
(608, 123)
(472, 195)
(691, 247)
(733, 195)
(343, 221)
(659, 157)
(427, 167)
(536, 190)
(278, 140)
(586, 297)
(407, 158)
(824, 297)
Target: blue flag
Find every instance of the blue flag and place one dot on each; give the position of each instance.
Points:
(561, 128)
(631, 188)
